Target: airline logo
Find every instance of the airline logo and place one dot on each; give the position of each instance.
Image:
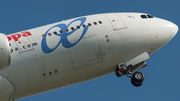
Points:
(17, 36)
(64, 40)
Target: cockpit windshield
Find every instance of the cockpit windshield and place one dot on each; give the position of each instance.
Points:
(147, 16)
(144, 16)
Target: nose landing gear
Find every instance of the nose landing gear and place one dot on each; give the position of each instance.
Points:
(137, 77)
(132, 65)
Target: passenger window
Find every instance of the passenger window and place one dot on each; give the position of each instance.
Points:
(55, 33)
(143, 16)
(150, 16)
(78, 27)
(43, 35)
(100, 22)
(61, 31)
(95, 23)
(66, 30)
(49, 34)
(72, 28)
(84, 25)
(89, 24)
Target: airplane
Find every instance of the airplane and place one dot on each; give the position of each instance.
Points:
(79, 49)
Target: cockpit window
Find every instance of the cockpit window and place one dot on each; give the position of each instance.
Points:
(147, 16)
(150, 16)
(144, 16)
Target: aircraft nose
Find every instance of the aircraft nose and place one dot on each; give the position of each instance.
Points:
(164, 31)
(173, 28)
(169, 30)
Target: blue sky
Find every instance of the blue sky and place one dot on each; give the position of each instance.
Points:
(162, 77)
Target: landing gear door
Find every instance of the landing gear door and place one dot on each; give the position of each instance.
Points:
(116, 21)
(138, 59)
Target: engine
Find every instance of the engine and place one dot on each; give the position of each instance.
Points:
(5, 55)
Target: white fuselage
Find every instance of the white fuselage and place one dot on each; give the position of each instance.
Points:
(62, 54)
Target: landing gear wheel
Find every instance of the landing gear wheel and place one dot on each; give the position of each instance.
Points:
(137, 79)
(138, 76)
(136, 84)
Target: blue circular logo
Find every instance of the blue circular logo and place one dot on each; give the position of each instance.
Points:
(65, 42)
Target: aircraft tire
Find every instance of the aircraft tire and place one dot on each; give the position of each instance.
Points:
(135, 83)
(138, 76)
